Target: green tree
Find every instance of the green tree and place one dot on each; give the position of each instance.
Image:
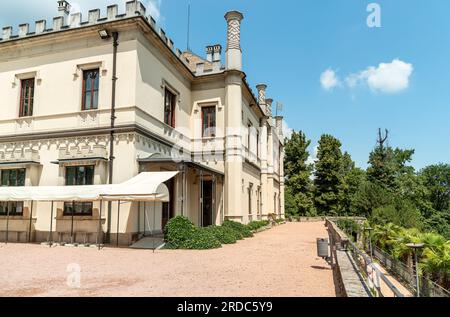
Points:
(437, 179)
(328, 175)
(368, 197)
(400, 212)
(298, 195)
(387, 164)
(351, 183)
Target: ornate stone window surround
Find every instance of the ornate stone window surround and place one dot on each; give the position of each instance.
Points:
(198, 112)
(166, 85)
(16, 83)
(78, 76)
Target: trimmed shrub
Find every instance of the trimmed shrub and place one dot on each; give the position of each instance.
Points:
(256, 225)
(202, 239)
(178, 232)
(181, 233)
(280, 221)
(224, 234)
(240, 229)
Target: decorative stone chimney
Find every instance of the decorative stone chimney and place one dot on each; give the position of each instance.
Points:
(217, 53)
(279, 125)
(209, 53)
(269, 103)
(63, 9)
(234, 52)
(261, 94)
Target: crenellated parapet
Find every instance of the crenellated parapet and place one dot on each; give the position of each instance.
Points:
(66, 21)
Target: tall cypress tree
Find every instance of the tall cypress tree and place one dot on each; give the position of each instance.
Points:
(328, 175)
(298, 197)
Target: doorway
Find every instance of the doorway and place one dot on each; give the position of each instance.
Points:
(168, 207)
(208, 203)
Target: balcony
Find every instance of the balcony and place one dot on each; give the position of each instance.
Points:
(251, 157)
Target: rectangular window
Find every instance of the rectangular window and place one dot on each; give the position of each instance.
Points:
(79, 176)
(14, 177)
(249, 136)
(90, 89)
(208, 122)
(257, 145)
(26, 97)
(169, 108)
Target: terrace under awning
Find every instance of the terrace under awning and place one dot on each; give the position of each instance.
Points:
(144, 187)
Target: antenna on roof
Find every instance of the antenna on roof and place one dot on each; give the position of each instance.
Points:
(188, 27)
(279, 108)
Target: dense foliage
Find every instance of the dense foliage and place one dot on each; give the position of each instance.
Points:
(298, 193)
(435, 256)
(225, 235)
(328, 176)
(256, 225)
(239, 228)
(181, 233)
(389, 191)
(404, 205)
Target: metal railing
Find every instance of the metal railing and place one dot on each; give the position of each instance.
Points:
(428, 288)
(374, 278)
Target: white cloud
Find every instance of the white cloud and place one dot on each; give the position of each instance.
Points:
(386, 78)
(329, 79)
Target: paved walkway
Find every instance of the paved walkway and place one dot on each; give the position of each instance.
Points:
(278, 262)
(386, 290)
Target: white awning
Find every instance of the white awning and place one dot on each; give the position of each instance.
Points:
(144, 187)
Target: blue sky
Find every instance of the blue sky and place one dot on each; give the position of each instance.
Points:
(289, 44)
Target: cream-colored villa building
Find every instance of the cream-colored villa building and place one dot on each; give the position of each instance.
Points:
(101, 99)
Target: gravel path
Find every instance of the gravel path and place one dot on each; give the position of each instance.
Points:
(278, 262)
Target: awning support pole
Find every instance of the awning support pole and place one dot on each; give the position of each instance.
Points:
(50, 236)
(71, 222)
(154, 223)
(185, 198)
(99, 240)
(154, 219)
(214, 211)
(201, 198)
(118, 219)
(145, 211)
(31, 222)
(223, 199)
(139, 217)
(7, 226)
(183, 194)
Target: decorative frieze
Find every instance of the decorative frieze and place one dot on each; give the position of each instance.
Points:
(83, 152)
(19, 155)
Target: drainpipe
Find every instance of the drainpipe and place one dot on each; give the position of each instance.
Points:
(115, 36)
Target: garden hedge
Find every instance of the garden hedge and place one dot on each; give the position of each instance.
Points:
(181, 233)
(239, 228)
(225, 235)
(256, 225)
